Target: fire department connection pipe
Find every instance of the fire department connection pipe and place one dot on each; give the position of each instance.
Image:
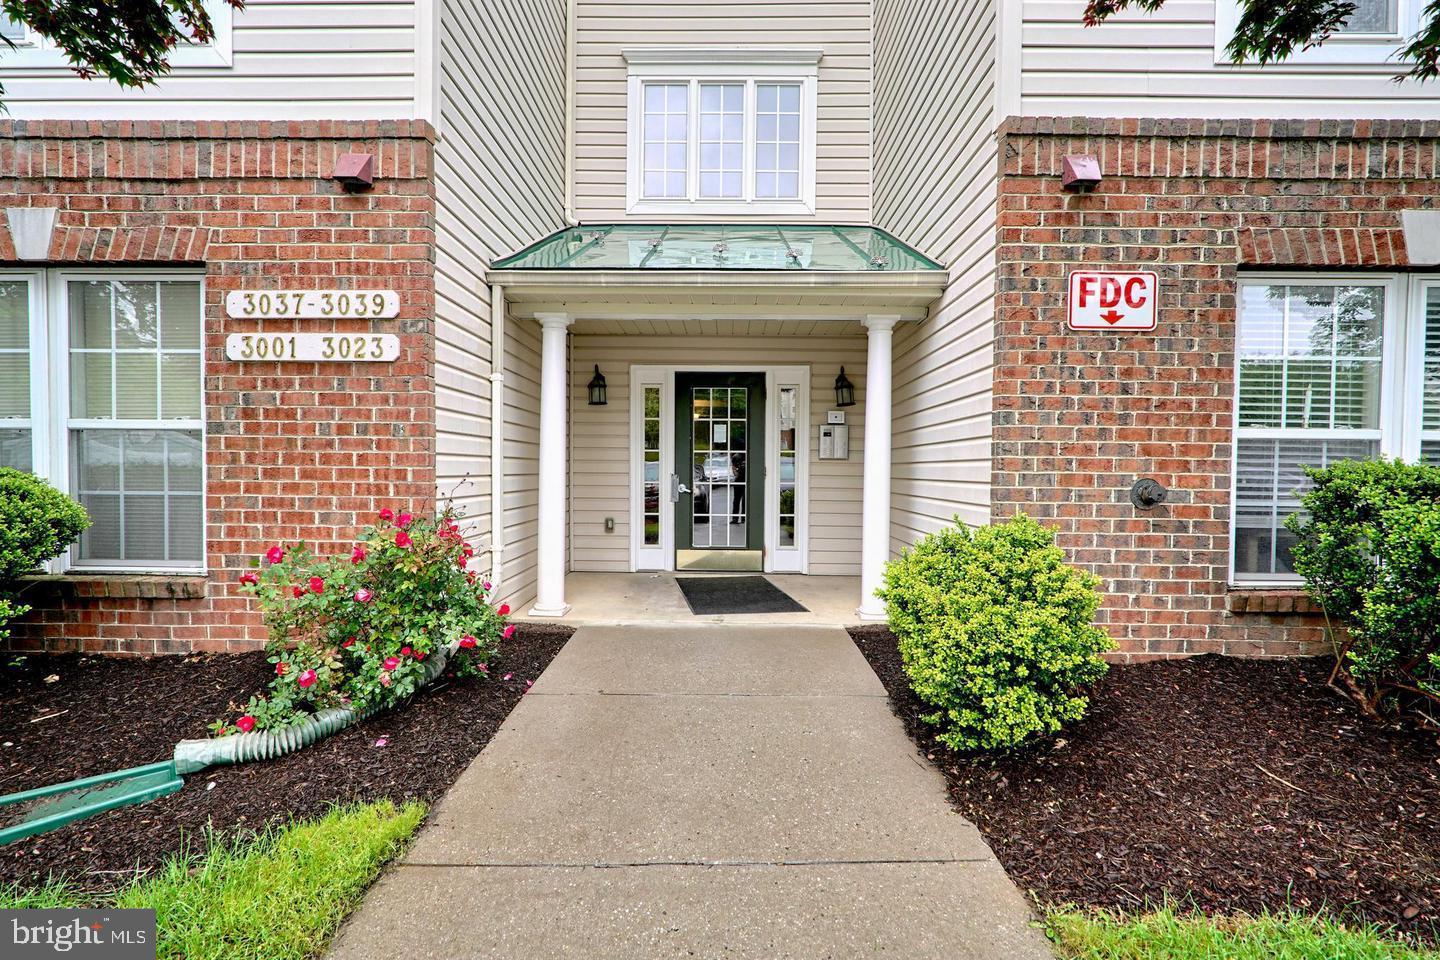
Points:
(192, 756)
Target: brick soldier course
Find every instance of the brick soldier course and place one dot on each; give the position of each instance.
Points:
(293, 451)
(1078, 416)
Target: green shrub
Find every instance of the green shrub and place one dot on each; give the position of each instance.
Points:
(996, 632)
(1369, 549)
(37, 523)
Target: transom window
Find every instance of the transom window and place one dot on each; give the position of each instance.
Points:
(101, 394)
(1327, 369)
(719, 135)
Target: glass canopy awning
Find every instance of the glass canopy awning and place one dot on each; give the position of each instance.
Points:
(740, 246)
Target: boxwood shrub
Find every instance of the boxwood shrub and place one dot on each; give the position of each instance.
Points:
(996, 632)
(1369, 549)
(37, 522)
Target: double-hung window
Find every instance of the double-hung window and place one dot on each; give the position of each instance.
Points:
(32, 50)
(1327, 368)
(101, 394)
(721, 131)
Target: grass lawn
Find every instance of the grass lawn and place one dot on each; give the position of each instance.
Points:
(1167, 935)
(278, 895)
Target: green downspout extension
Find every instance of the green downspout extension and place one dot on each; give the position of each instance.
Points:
(77, 799)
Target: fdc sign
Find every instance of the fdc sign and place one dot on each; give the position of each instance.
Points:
(1109, 300)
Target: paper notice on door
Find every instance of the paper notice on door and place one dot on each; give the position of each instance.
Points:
(717, 432)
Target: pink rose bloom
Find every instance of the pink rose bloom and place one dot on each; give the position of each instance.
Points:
(402, 540)
(363, 595)
(275, 554)
(486, 585)
(249, 579)
(503, 610)
(357, 555)
(391, 663)
(298, 591)
(508, 632)
(384, 679)
(306, 679)
(246, 723)
(387, 514)
(405, 651)
(467, 642)
(317, 585)
(280, 669)
(403, 521)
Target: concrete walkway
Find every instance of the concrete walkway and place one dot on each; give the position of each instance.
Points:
(713, 791)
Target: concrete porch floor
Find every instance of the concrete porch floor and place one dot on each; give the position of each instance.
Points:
(600, 598)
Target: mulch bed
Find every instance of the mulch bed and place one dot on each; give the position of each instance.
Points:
(109, 713)
(1226, 784)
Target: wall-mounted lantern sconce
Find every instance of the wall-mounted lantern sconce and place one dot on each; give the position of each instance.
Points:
(844, 390)
(597, 388)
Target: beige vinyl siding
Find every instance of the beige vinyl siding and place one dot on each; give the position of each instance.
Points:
(600, 436)
(1163, 65)
(499, 185)
(841, 28)
(935, 186)
(313, 60)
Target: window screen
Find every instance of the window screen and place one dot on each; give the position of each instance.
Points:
(135, 428)
(1309, 373)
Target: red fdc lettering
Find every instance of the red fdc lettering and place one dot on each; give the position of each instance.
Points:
(1109, 291)
(1087, 289)
(1135, 292)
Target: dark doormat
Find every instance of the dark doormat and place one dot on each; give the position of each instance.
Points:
(712, 595)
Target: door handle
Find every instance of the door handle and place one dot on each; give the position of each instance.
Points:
(676, 488)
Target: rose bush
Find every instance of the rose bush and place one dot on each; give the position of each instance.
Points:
(356, 629)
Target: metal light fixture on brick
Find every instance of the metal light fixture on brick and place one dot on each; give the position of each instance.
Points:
(597, 388)
(844, 390)
(355, 171)
(1080, 172)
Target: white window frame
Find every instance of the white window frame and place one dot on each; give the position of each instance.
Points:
(36, 52)
(1355, 49)
(1399, 390)
(696, 65)
(50, 421)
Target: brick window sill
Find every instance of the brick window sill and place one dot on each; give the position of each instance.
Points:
(144, 586)
(1269, 600)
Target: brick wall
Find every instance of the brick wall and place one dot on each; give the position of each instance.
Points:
(294, 451)
(1079, 416)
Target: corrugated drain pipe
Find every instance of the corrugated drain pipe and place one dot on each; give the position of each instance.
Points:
(192, 756)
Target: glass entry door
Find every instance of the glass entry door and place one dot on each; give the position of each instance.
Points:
(720, 435)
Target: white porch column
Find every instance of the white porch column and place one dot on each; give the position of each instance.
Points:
(875, 506)
(554, 471)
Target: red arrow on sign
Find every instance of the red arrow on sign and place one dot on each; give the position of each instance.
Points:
(1112, 317)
